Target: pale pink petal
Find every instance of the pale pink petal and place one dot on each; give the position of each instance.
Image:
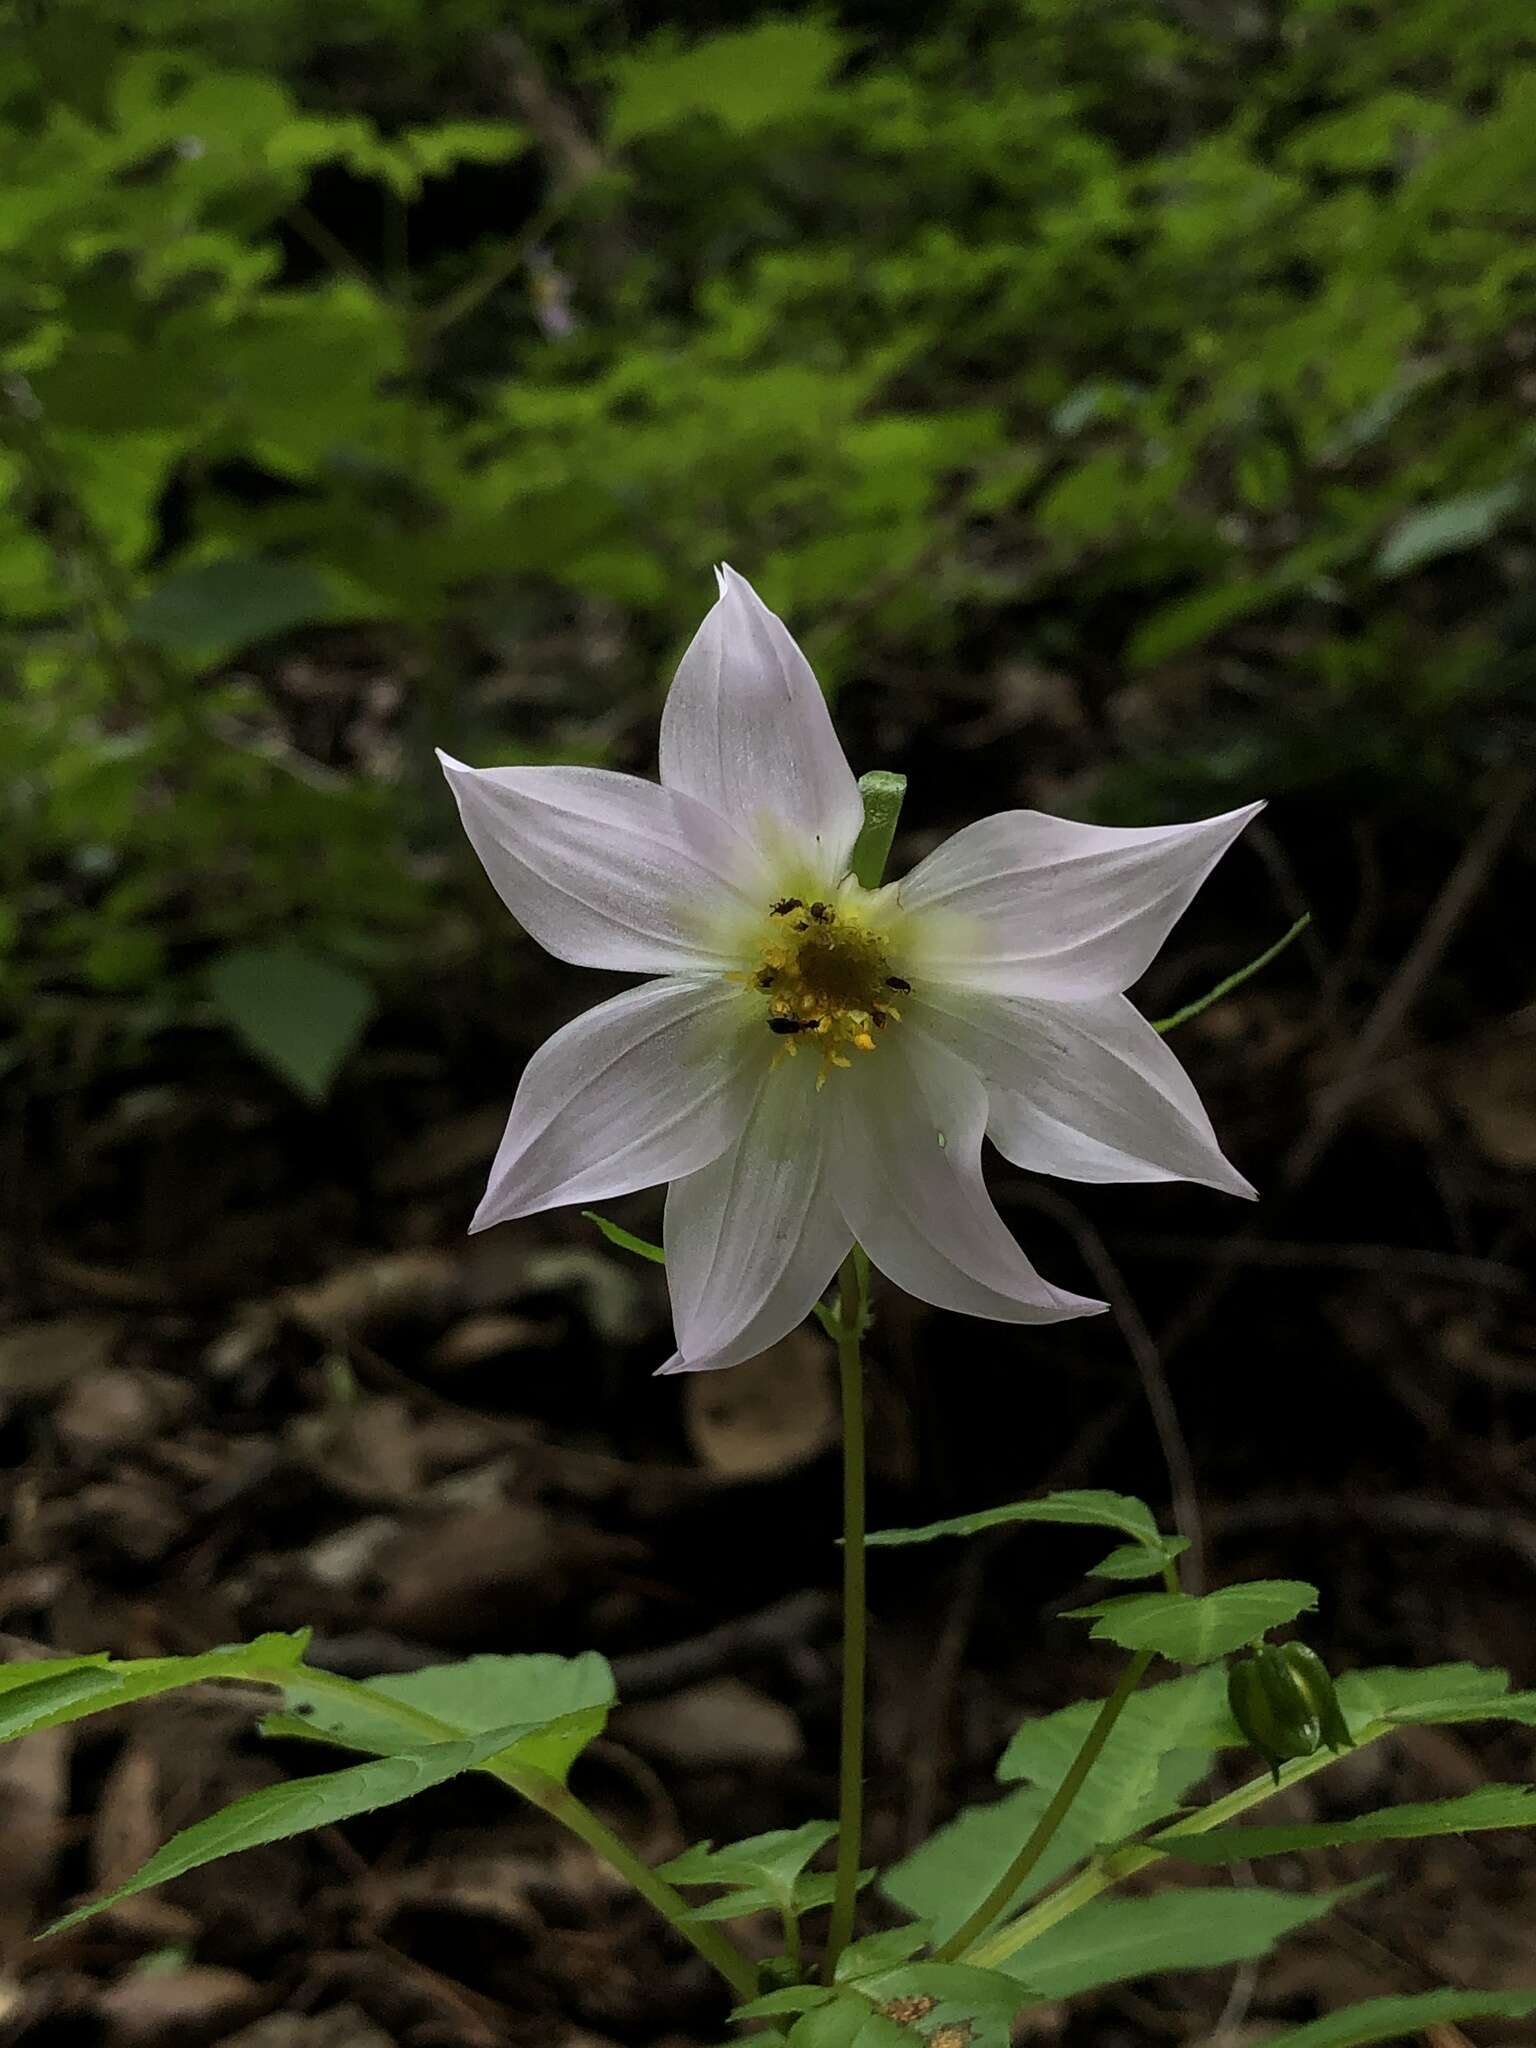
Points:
(753, 1240)
(1088, 1091)
(1027, 905)
(905, 1167)
(645, 1087)
(604, 869)
(747, 731)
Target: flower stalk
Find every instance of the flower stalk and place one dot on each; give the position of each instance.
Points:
(852, 1312)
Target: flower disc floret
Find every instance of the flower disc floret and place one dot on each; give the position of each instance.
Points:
(823, 968)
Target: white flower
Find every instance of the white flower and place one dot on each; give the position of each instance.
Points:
(816, 1062)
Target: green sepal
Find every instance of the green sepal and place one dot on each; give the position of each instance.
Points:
(1311, 1679)
(882, 792)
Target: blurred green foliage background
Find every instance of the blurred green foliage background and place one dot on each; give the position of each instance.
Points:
(386, 373)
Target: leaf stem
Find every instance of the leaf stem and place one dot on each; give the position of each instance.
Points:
(557, 1800)
(996, 1901)
(1100, 1872)
(853, 1308)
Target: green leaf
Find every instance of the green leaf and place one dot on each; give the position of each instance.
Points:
(881, 1951)
(1394, 2019)
(1140, 1560)
(986, 2001)
(1519, 1707)
(27, 1708)
(774, 1860)
(13, 1676)
(1110, 1940)
(1158, 1749)
(1089, 1508)
(848, 2023)
(626, 1240)
(563, 1702)
(816, 1888)
(794, 1998)
(1183, 1717)
(213, 610)
(1390, 1689)
(745, 79)
(1197, 1628)
(283, 1810)
(1446, 528)
(301, 1014)
(1491, 1806)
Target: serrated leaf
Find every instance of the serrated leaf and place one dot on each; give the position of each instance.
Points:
(1388, 1689)
(139, 1678)
(985, 2001)
(1109, 1941)
(1395, 2019)
(1184, 1716)
(1191, 1628)
(35, 1668)
(815, 1889)
(1491, 1806)
(773, 1861)
(24, 1708)
(881, 1951)
(300, 1014)
(1519, 1707)
(1139, 1560)
(564, 1703)
(848, 2023)
(794, 1998)
(1089, 1508)
(279, 1811)
(626, 1240)
(1158, 1749)
(1447, 528)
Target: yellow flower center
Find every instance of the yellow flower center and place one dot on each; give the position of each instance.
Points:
(826, 979)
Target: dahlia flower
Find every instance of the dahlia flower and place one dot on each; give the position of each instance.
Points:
(815, 1063)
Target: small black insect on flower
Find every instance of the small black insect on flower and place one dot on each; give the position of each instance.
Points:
(899, 981)
(786, 1027)
(784, 906)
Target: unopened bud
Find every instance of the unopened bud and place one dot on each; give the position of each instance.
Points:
(1283, 1700)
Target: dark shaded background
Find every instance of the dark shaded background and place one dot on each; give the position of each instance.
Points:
(1129, 406)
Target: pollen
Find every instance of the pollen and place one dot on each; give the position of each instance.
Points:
(824, 972)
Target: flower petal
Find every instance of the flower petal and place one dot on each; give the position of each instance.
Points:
(747, 731)
(1088, 1091)
(753, 1240)
(648, 1086)
(1028, 905)
(905, 1166)
(603, 869)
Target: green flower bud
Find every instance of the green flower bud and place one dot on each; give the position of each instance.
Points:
(1311, 1678)
(1272, 1708)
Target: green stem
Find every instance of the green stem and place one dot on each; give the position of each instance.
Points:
(997, 1900)
(562, 1805)
(557, 1800)
(853, 1303)
(1101, 1872)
